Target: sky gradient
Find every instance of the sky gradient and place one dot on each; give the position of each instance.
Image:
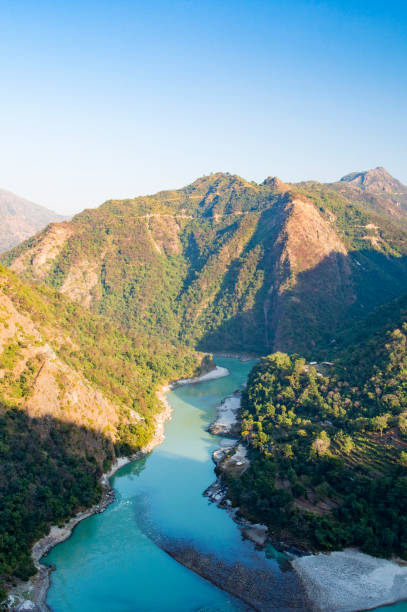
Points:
(107, 100)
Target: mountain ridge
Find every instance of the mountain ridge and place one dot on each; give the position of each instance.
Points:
(226, 261)
(376, 179)
(376, 189)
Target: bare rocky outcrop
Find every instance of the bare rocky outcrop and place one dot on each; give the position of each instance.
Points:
(375, 180)
(165, 233)
(309, 273)
(376, 189)
(276, 184)
(40, 257)
(82, 281)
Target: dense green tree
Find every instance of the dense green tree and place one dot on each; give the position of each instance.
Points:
(319, 473)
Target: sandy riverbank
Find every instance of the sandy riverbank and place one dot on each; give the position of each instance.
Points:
(217, 372)
(226, 422)
(243, 357)
(349, 580)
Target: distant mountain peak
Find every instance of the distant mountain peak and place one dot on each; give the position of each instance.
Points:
(275, 183)
(21, 219)
(376, 179)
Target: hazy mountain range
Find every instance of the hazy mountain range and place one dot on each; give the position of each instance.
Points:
(21, 218)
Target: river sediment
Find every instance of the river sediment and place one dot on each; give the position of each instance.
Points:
(257, 587)
(349, 580)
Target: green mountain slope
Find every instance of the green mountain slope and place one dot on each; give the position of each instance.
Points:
(75, 392)
(328, 443)
(224, 262)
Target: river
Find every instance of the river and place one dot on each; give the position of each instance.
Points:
(116, 561)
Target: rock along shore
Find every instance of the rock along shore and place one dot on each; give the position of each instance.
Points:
(31, 595)
(232, 457)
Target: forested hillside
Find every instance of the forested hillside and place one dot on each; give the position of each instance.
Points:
(228, 263)
(328, 442)
(109, 305)
(75, 392)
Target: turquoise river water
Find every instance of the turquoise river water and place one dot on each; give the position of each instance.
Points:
(114, 562)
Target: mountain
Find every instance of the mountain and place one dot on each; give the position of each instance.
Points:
(98, 311)
(21, 219)
(227, 263)
(377, 189)
(328, 442)
(75, 393)
(376, 180)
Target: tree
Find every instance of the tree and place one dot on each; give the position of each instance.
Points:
(348, 445)
(321, 444)
(403, 424)
(345, 442)
(288, 451)
(380, 422)
(403, 458)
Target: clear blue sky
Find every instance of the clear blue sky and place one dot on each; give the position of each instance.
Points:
(113, 99)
